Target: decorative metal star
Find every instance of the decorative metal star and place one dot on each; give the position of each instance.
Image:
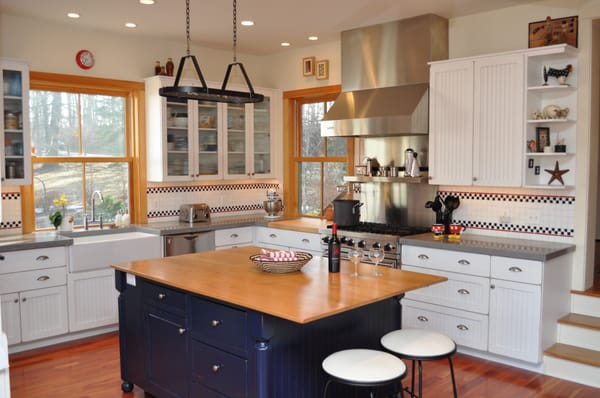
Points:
(556, 174)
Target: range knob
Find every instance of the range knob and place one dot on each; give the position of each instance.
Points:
(350, 242)
(388, 247)
(343, 239)
(376, 245)
(325, 239)
(362, 244)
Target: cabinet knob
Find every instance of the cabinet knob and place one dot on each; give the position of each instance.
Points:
(1, 257)
(462, 327)
(422, 318)
(181, 331)
(161, 296)
(216, 368)
(463, 291)
(423, 257)
(42, 258)
(16, 301)
(214, 323)
(43, 278)
(430, 178)
(24, 299)
(515, 269)
(234, 236)
(464, 262)
(492, 286)
(474, 178)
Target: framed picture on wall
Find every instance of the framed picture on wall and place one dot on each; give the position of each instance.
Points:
(553, 31)
(308, 66)
(542, 135)
(322, 70)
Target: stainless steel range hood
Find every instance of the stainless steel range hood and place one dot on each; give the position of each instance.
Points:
(385, 78)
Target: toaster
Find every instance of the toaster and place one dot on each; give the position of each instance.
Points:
(197, 212)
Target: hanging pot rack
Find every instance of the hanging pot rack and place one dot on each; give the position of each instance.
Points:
(203, 92)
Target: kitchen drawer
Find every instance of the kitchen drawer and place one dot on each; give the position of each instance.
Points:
(219, 325)
(291, 239)
(517, 270)
(165, 298)
(465, 292)
(446, 260)
(234, 236)
(26, 260)
(219, 370)
(30, 280)
(200, 390)
(465, 328)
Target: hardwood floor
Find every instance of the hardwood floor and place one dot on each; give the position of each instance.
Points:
(90, 369)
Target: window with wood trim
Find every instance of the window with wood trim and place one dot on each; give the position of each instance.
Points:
(317, 164)
(82, 134)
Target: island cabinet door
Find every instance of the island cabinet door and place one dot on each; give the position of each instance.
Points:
(166, 345)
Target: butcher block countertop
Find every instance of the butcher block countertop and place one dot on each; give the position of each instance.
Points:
(302, 224)
(310, 294)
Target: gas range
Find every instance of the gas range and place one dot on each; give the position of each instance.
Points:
(367, 235)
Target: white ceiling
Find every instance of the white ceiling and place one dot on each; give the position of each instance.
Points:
(211, 20)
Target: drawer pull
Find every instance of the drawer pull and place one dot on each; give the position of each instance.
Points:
(234, 236)
(305, 240)
(161, 296)
(464, 262)
(42, 258)
(462, 327)
(43, 278)
(463, 291)
(273, 236)
(423, 257)
(181, 331)
(214, 323)
(515, 269)
(216, 368)
(423, 318)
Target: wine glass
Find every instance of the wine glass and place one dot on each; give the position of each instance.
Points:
(376, 255)
(355, 255)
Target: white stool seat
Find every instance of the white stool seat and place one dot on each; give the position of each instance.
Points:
(364, 366)
(418, 344)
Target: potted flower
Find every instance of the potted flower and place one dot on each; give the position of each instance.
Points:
(58, 216)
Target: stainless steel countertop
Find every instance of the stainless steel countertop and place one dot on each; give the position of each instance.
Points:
(504, 247)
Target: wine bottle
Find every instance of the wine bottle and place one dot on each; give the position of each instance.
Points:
(334, 250)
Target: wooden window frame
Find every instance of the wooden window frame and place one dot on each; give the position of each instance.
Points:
(135, 156)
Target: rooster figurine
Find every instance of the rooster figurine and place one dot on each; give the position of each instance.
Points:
(560, 74)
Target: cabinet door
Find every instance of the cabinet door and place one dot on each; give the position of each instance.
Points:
(451, 123)
(499, 121)
(43, 313)
(167, 366)
(206, 142)
(178, 141)
(261, 143)
(235, 140)
(11, 317)
(515, 313)
(92, 299)
(16, 143)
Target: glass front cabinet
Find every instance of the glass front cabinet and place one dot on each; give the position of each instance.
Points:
(206, 140)
(16, 152)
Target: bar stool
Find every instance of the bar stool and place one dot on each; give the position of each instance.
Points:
(420, 345)
(364, 368)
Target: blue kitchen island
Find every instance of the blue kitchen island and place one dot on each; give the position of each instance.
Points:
(212, 325)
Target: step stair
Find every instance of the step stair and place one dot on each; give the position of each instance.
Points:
(576, 356)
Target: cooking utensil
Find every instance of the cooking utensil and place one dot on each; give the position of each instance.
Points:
(346, 212)
(451, 203)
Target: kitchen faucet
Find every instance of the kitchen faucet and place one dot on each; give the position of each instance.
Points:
(94, 194)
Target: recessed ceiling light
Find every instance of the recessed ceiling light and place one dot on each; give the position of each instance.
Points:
(73, 15)
(247, 23)
(285, 44)
(130, 24)
(313, 38)
(146, 1)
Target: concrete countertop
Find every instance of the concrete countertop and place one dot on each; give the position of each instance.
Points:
(504, 247)
(38, 240)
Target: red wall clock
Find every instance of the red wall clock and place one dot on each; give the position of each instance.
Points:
(84, 59)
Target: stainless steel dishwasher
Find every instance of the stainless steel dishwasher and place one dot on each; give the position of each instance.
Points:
(189, 243)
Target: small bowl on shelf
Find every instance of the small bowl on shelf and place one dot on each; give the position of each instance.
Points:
(281, 266)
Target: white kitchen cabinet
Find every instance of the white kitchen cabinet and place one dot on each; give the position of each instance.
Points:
(501, 305)
(92, 299)
(15, 146)
(562, 130)
(34, 294)
(233, 237)
(476, 121)
(192, 140)
(282, 239)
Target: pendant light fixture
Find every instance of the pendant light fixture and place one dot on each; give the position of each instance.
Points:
(204, 93)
